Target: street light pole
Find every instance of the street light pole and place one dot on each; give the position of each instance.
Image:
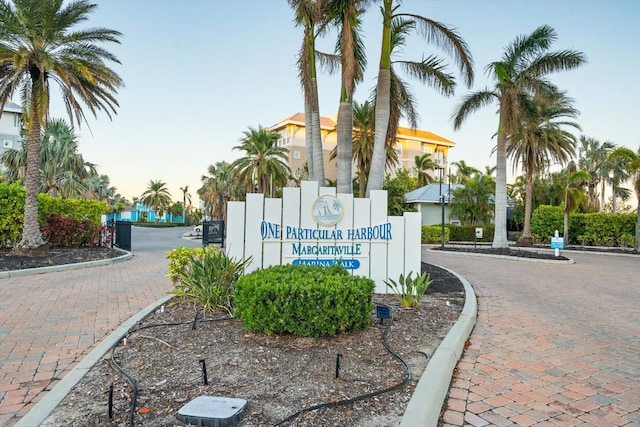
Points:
(442, 209)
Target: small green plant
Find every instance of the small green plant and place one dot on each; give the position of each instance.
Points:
(410, 290)
(208, 279)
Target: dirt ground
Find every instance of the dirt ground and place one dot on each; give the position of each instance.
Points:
(280, 377)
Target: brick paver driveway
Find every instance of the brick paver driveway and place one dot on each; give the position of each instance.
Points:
(49, 322)
(554, 344)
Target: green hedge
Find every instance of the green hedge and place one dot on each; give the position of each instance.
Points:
(433, 233)
(304, 300)
(589, 229)
(12, 211)
(467, 233)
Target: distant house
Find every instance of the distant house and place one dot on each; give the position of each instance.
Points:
(428, 200)
(141, 213)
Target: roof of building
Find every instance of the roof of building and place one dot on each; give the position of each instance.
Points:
(298, 119)
(12, 107)
(430, 193)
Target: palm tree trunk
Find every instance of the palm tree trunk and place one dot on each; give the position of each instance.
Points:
(318, 156)
(638, 227)
(526, 239)
(31, 242)
(602, 195)
(345, 147)
(362, 182)
(500, 215)
(565, 231)
(308, 139)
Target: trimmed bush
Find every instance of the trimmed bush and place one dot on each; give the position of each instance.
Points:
(433, 233)
(304, 300)
(69, 232)
(181, 257)
(467, 233)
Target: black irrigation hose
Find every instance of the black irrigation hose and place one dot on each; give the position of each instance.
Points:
(344, 402)
(133, 381)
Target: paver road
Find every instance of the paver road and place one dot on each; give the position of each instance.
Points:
(554, 345)
(49, 322)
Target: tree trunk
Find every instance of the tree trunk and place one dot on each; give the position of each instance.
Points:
(638, 227)
(526, 238)
(565, 231)
(308, 139)
(318, 155)
(500, 215)
(376, 170)
(345, 147)
(32, 243)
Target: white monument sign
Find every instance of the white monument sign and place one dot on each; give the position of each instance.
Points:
(313, 225)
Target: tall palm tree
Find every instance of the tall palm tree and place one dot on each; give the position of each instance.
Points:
(38, 46)
(157, 196)
(617, 173)
(263, 167)
(573, 195)
(521, 72)
(463, 172)
(345, 14)
(186, 197)
(593, 159)
(539, 141)
(312, 16)
(634, 169)
(430, 70)
(424, 165)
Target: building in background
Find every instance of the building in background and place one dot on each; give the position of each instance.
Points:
(10, 126)
(409, 143)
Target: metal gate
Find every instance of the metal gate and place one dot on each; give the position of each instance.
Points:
(213, 233)
(123, 235)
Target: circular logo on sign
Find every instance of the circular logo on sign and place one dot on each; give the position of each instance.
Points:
(327, 210)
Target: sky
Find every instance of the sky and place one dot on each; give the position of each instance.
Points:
(198, 73)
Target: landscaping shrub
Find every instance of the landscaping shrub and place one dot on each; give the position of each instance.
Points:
(69, 232)
(207, 278)
(304, 300)
(467, 233)
(180, 257)
(433, 234)
(410, 290)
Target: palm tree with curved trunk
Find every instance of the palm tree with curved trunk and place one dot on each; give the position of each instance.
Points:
(463, 172)
(541, 140)
(263, 167)
(312, 16)
(424, 165)
(430, 70)
(39, 45)
(345, 14)
(157, 196)
(593, 159)
(521, 72)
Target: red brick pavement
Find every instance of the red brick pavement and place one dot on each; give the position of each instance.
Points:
(554, 345)
(49, 322)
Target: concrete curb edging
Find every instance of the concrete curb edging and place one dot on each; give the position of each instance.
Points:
(66, 267)
(426, 403)
(39, 413)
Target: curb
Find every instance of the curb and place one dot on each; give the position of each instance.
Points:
(65, 267)
(507, 257)
(426, 403)
(38, 415)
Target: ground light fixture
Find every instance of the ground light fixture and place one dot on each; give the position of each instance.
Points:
(213, 411)
(383, 312)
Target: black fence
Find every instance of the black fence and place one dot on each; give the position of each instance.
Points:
(213, 233)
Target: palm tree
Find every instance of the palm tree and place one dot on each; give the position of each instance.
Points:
(311, 14)
(186, 197)
(424, 164)
(472, 203)
(345, 14)
(430, 71)
(573, 195)
(463, 172)
(539, 141)
(634, 169)
(520, 73)
(100, 187)
(264, 165)
(218, 188)
(38, 45)
(593, 159)
(618, 172)
(157, 196)
(63, 171)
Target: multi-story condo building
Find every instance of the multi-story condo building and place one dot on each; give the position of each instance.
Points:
(409, 143)
(10, 126)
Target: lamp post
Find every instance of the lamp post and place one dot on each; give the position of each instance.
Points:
(441, 208)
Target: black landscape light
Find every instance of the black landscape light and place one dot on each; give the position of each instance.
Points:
(383, 312)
